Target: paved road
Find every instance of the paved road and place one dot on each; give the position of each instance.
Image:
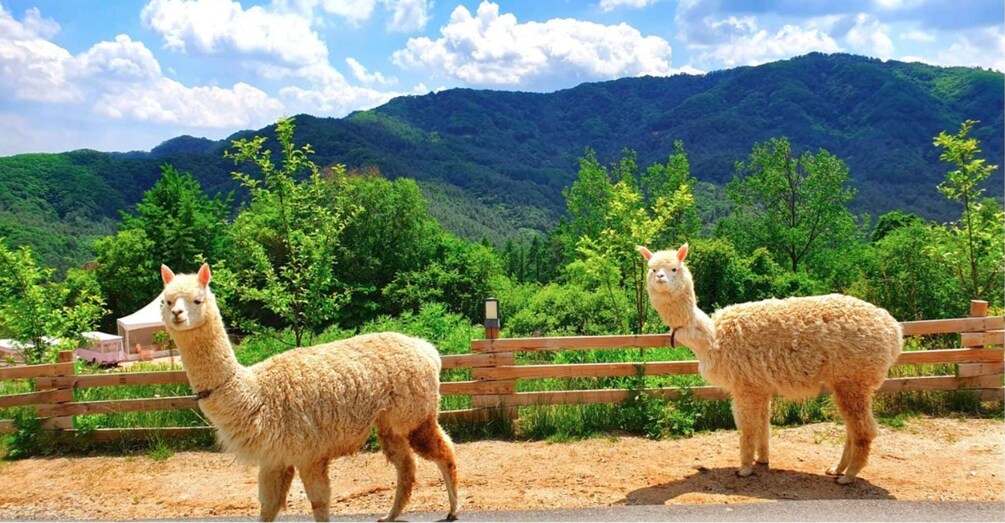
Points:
(816, 510)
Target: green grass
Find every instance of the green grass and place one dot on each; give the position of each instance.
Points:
(168, 418)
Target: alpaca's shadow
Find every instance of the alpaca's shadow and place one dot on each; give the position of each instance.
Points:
(773, 484)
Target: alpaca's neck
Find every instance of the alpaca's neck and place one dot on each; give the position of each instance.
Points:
(693, 328)
(207, 355)
(698, 334)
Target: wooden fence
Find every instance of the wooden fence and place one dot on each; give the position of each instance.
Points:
(493, 391)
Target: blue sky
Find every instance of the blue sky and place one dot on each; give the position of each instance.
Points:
(119, 75)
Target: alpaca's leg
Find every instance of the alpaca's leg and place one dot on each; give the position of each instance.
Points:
(429, 441)
(285, 487)
(839, 468)
(317, 486)
(395, 447)
(273, 485)
(748, 411)
(854, 403)
(764, 435)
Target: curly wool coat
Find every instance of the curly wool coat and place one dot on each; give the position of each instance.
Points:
(304, 407)
(791, 347)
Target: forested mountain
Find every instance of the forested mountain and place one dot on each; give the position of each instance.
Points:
(492, 162)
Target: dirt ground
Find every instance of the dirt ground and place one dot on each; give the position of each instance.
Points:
(927, 459)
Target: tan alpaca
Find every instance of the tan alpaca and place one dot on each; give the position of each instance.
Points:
(302, 408)
(787, 347)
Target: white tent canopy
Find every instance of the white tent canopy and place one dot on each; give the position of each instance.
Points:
(140, 326)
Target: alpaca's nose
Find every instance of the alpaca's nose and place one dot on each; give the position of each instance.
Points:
(177, 312)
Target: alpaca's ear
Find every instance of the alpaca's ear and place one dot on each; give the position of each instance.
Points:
(645, 252)
(682, 253)
(204, 275)
(166, 274)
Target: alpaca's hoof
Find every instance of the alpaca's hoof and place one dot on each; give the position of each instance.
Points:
(833, 471)
(844, 480)
(761, 463)
(386, 518)
(450, 517)
(743, 472)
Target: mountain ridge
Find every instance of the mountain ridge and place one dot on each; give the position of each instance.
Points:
(500, 159)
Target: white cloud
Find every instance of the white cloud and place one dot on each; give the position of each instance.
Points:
(122, 59)
(167, 101)
(222, 26)
(871, 37)
(38, 26)
(408, 15)
(610, 5)
(896, 5)
(917, 36)
(363, 75)
(32, 67)
(495, 49)
(330, 100)
(120, 79)
(983, 48)
(355, 11)
(748, 45)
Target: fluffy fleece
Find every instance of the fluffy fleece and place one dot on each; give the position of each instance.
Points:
(786, 347)
(303, 408)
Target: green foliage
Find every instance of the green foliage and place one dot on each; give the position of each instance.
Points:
(159, 449)
(44, 315)
(794, 206)
(285, 240)
(557, 310)
(180, 221)
(24, 442)
(901, 275)
(533, 257)
(175, 224)
(126, 271)
(972, 247)
(617, 213)
(892, 221)
(392, 235)
(459, 274)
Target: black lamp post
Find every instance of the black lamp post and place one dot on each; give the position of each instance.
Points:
(491, 318)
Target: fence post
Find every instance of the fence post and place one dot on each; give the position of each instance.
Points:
(63, 394)
(508, 414)
(979, 309)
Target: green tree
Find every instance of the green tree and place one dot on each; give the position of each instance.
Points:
(625, 220)
(175, 223)
(892, 221)
(460, 275)
(901, 275)
(44, 315)
(974, 245)
(180, 221)
(286, 239)
(673, 182)
(394, 234)
(126, 270)
(586, 203)
(793, 206)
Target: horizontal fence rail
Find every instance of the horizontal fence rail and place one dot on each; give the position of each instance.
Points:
(494, 374)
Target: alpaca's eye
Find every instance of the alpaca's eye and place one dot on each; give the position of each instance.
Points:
(674, 269)
(198, 302)
(169, 303)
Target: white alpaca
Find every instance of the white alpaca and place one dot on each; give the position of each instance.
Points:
(787, 347)
(302, 408)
